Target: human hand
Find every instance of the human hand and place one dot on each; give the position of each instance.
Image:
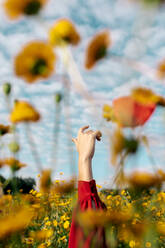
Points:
(85, 142)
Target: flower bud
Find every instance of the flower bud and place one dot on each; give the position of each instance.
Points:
(58, 98)
(6, 88)
(14, 147)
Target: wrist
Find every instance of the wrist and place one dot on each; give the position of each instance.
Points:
(84, 159)
(85, 169)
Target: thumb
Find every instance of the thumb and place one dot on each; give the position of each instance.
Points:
(98, 135)
(74, 140)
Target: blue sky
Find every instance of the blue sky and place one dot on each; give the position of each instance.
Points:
(136, 33)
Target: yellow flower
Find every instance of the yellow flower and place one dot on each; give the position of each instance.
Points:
(15, 222)
(16, 8)
(97, 49)
(64, 217)
(42, 246)
(98, 186)
(143, 179)
(132, 244)
(148, 244)
(123, 192)
(62, 238)
(55, 223)
(109, 197)
(66, 224)
(45, 181)
(42, 234)
(48, 223)
(63, 32)
(23, 112)
(160, 226)
(35, 61)
(14, 164)
(144, 96)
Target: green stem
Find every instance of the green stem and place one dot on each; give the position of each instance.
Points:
(68, 124)
(56, 129)
(32, 144)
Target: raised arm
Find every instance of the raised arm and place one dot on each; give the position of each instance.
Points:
(85, 144)
(87, 193)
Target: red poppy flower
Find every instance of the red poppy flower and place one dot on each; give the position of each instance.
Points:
(130, 113)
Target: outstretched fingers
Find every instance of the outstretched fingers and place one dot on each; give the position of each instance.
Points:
(81, 130)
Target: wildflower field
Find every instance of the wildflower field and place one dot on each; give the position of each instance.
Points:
(120, 86)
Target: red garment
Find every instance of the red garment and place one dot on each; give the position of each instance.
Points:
(87, 198)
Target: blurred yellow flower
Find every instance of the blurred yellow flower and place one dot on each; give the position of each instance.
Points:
(97, 49)
(148, 244)
(55, 223)
(45, 180)
(143, 179)
(42, 234)
(14, 164)
(48, 223)
(132, 244)
(62, 238)
(63, 32)
(66, 224)
(92, 218)
(107, 112)
(16, 8)
(144, 96)
(160, 226)
(35, 61)
(23, 112)
(15, 222)
(42, 246)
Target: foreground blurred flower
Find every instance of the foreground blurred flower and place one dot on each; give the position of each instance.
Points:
(23, 112)
(35, 61)
(14, 164)
(42, 234)
(45, 181)
(127, 112)
(63, 32)
(99, 218)
(15, 222)
(4, 129)
(146, 96)
(143, 179)
(120, 144)
(97, 49)
(16, 8)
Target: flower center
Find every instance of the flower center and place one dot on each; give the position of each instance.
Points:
(101, 52)
(32, 8)
(67, 38)
(39, 67)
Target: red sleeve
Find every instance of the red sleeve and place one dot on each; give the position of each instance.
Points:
(87, 198)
